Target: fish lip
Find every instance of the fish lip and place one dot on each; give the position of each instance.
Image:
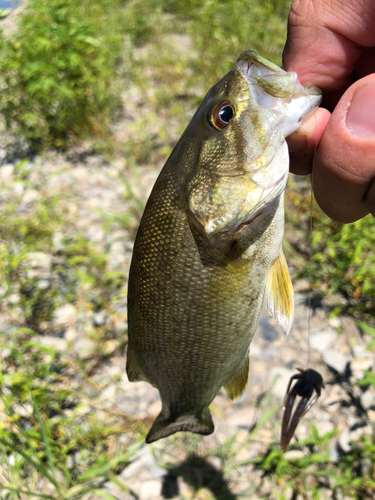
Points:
(267, 68)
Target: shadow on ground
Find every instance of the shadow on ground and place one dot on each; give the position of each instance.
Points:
(199, 474)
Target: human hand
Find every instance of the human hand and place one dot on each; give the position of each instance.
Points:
(332, 45)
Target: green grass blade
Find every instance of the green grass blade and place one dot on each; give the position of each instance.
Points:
(25, 492)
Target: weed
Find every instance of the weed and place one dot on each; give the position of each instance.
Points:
(62, 85)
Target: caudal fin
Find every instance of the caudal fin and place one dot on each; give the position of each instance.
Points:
(163, 427)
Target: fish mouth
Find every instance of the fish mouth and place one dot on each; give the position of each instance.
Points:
(273, 87)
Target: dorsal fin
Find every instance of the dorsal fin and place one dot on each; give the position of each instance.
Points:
(279, 296)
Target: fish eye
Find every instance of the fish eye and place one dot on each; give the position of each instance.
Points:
(222, 114)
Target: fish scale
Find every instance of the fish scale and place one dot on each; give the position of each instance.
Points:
(208, 248)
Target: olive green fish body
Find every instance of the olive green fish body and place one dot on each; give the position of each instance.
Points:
(211, 232)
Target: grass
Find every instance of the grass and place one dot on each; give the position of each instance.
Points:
(58, 439)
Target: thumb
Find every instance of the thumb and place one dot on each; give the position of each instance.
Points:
(344, 169)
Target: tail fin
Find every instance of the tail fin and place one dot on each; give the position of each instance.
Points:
(163, 427)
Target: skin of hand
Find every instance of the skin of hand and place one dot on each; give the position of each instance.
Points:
(332, 45)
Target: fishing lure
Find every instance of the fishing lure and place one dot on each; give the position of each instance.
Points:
(307, 381)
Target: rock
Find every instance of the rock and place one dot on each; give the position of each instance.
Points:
(44, 284)
(358, 367)
(344, 440)
(243, 418)
(110, 346)
(333, 454)
(267, 329)
(294, 454)
(322, 340)
(359, 431)
(325, 427)
(39, 264)
(367, 399)
(64, 315)
(117, 492)
(99, 318)
(5, 353)
(30, 195)
(335, 360)
(282, 376)
(109, 393)
(57, 343)
(84, 348)
(335, 322)
(14, 298)
(71, 334)
(7, 174)
(142, 460)
(150, 489)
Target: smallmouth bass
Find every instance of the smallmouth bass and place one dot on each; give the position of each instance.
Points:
(208, 248)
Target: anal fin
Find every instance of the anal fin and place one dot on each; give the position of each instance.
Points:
(279, 295)
(237, 383)
(133, 371)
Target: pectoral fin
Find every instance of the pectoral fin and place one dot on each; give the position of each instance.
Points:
(236, 385)
(279, 295)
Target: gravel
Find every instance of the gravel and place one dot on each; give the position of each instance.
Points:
(93, 191)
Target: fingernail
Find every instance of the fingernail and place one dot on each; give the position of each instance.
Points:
(297, 142)
(360, 119)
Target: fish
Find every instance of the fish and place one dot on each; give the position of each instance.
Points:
(208, 250)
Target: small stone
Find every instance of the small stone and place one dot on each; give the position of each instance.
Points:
(143, 460)
(109, 392)
(99, 318)
(43, 284)
(325, 427)
(64, 315)
(7, 174)
(5, 353)
(242, 419)
(71, 334)
(39, 264)
(282, 376)
(335, 360)
(115, 371)
(150, 489)
(322, 340)
(58, 240)
(335, 322)
(83, 409)
(57, 343)
(344, 440)
(84, 348)
(333, 454)
(301, 285)
(367, 399)
(14, 298)
(255, 349)
(117, 492)
(267, 329)
(360, 351)
(110, 346)
(356, 434)
(30, 195)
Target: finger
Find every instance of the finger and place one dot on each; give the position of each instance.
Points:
(344, 168)
(304, 142)
(325, 40)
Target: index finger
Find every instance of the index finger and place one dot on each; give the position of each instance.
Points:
(325, 40)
